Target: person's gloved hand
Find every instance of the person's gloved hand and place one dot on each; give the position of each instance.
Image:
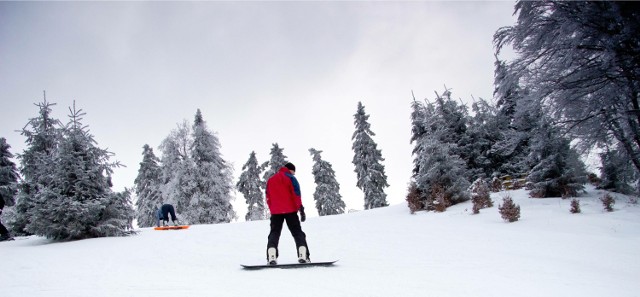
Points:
(303, 217)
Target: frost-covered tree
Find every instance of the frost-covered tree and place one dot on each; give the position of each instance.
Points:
(8, 174)
(483, 131)
(147, 187)
(440, 174)
(616, 173)
(327, 193)
(177, 167)
(556, 168)
(42, 136)
(581, 59)
(250, 186)
(210, 201)
(367, 160)
(78, 201)
(418, 130)
(278, 159)
(453, 119)
(511, 150)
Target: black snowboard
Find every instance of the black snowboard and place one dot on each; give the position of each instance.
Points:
(288, 265)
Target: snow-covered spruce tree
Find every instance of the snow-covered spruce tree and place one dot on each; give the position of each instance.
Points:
(278, 159)
(367, 157)
(616, 173)
(78, 201)
(419, 129)
(210, 202)
(514, 123)
(43, 134)
(556, 168)
(176, 167)
(439, 172)
(580, 59)
(250, 186)
(483, 130)
(148, 188)
(327, 194)
(8, 174)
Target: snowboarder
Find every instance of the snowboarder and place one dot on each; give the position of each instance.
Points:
(4, 233)
(283, 199)
(163, 215)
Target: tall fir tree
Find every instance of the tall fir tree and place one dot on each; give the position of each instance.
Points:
(42, 137)
(250, 186)
(616, 173)
(367, 157)
(148, 188)
(440, 175)
(482, 132)
(556, 168)
(418, 129)
(177, 167)
(327, 193)
(277, 161)
(78, 202)
(516, 116)
(8, 174)
(210, 201)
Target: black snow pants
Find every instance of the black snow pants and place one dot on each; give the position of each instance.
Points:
(293, 222)
(166, 210)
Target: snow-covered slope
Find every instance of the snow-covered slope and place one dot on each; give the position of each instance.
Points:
(382, 252)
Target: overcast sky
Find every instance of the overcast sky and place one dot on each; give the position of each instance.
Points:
(261, 72)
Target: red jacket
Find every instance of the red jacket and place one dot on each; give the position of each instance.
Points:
(283, 193)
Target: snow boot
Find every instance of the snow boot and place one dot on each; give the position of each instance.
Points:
(302, 255)
(271, 256)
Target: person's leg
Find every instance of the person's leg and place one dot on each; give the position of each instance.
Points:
(4, 233)
(274, 235)
(172, 211)
(293, 222)
(3, 230)
(165, 214)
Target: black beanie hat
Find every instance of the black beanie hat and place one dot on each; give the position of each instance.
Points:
(290, 166)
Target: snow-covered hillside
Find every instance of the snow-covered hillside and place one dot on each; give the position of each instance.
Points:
(382, 252)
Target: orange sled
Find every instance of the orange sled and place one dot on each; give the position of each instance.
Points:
(172, 227)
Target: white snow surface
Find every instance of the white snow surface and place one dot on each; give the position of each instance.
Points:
(381, 252)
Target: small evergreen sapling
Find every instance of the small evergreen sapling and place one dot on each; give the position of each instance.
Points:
(509, 211)
(438, 195)
(480, 196)
(413, 198)
(608, 202)
(575, 206)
